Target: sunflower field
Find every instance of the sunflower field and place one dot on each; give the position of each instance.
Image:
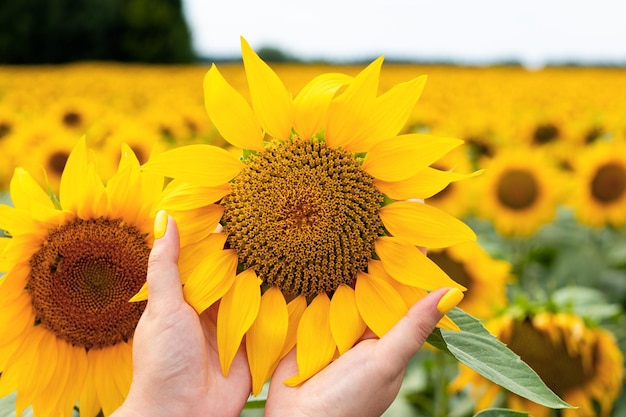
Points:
(540, 178)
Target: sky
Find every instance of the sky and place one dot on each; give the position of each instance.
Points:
(533, 32)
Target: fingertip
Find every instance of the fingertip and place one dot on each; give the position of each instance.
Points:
(163, 276)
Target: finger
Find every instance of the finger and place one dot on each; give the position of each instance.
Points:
(410, 333)
(287, 367)
(164, 286)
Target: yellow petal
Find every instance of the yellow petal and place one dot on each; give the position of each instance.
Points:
(379, 304)
(409, 293)
(211, 279)
(392, 109)
(424, 225)
(347, 126)
(403, 156)
(424, 184)
(315, 344)
(270, 99)
(295, 308)
(205, 165)
(27, 194)
(191, 254)
(346, 324)
(230, 113)
(408, 265)
(122, 188)
(180, 195)
(16, 221)
(311, 103)
(266, 337)
(447, 323)
(239, 308)
(109, 395)
(88, 401)
(81, 189)
(196, 224)
(73, 173)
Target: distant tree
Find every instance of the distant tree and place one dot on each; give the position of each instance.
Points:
(272, 54)
(56, 31)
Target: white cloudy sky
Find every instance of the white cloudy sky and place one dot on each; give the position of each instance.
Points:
(532, 31)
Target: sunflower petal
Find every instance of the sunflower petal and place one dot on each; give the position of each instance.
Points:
(424, 225)
(266, 337)
(392, 109)
(230, 112)
(179, 195)
(347, 125)
(409, 293)
(27, 194)
(424, 184)
(188, 258)
(211, 279)
(88, 399)
(346, 324)
(311, 103)
(408, 265)
(315, 344)
(109, 395)
(379, 304)
(81, 189)
(205, 165)
(270, 99)
(403, 156)
(239, 307)
(296, 308)
(447, 323)
(196, 224)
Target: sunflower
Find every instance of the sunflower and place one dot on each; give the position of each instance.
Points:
(71, 264)
(484, 277)
(314, 250)
(520, 191)
(582, 364)
(599, 195)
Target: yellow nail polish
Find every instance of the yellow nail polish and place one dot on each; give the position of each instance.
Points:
(450, 300)
(160, 224)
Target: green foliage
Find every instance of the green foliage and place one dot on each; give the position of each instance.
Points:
(475, 347)
(57, 31)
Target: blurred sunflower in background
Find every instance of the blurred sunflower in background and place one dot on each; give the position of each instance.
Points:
(581, 363)
(484, 277)
(70, 266)
(520, 191)
(599, 190)
(313, 248)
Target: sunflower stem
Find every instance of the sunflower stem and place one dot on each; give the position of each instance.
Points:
(441, 381)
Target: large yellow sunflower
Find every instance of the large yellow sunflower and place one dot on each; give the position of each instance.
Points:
(520, 190)
(313, 249)
(599, 191)
(71, 264)
(583, 365)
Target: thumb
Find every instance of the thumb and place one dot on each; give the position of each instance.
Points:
(163, 279)
(410, 333)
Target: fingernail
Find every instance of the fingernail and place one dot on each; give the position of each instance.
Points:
(450, 300)
(160, 224)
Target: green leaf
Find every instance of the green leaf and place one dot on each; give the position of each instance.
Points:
(475, 347)
(501, 412)
(254, 404)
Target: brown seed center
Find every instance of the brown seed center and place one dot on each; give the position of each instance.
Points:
(517, 189)
(82, 278)
(609, 183)
(305, 216)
